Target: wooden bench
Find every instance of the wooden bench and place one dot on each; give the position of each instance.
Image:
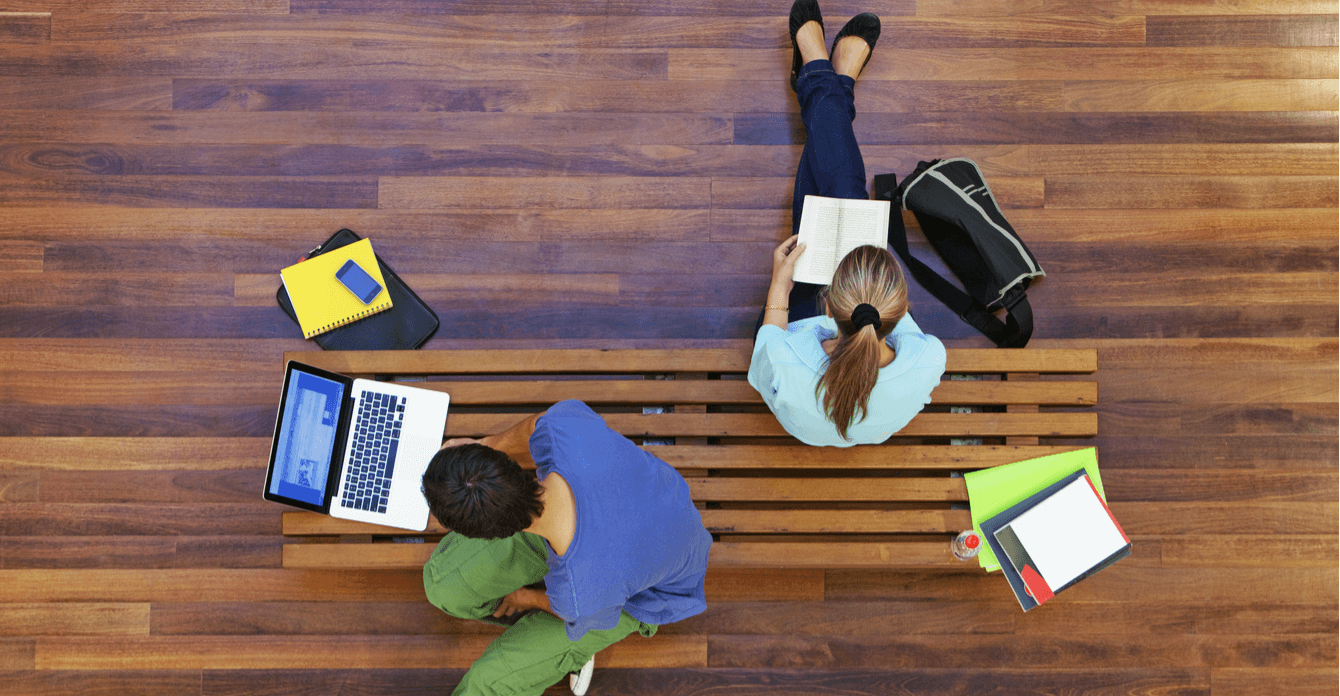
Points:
(769, 500)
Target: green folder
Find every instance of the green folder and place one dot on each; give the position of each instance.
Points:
(992, 491)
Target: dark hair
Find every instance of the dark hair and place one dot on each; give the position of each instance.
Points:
(866, 275)
(480, 492)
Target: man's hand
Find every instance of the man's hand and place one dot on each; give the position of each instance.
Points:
(521, 599)
(458, 441)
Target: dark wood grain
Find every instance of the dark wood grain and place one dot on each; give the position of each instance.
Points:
(103, 682)
(25, 27)
(1059, 128)
(1250, 30)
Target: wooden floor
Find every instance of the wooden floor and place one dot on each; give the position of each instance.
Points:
(614, 173)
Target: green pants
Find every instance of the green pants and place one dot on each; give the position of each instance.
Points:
(467, 578)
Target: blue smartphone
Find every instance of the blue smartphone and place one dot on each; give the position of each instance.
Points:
(352, 276)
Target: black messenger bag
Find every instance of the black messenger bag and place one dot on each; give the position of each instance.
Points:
(956, 210)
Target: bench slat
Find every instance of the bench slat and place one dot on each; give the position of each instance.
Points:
(766, 425)
(658, 392)
(720, 521)
(828, 489)
(579, 361)
(724, 554)
(941, 457)
(835, 521)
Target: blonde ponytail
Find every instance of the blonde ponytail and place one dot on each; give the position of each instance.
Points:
(868, 275)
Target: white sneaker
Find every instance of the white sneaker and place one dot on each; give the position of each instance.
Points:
(579, 682)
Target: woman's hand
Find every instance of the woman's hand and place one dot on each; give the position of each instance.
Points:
(783, 266)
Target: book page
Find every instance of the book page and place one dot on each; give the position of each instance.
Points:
(1068, 533)
(831, 227)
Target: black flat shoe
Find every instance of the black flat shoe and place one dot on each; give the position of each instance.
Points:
(802, 13)
(864, 25)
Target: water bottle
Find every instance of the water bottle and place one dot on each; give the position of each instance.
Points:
(966, 545)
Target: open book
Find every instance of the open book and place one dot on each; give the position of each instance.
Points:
(832, 227)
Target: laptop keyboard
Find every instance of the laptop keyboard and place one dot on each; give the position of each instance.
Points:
(371, 462)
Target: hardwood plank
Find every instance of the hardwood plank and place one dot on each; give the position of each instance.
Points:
(1023, 651)
(453, 160)
(1088, 63)
(1058, 128)
(1241, 30)
(172, 191)
(732, 359)
(438, 289)
(173, 420)
(137, 388)
(1252, 451)
(1150, 485)
(241, 6)
(19, 486)
(57, 355)
(25, 27)
(295, 57)
(851, 619)
(728, 555)
(133, 453)
(1213, 518)
(227, 226)
(1200, 95)
(74, 619)
(765, 425)
(19, 256)
(586, 7)
(1247, 681)
(1279, 159)
(108, 551)
(777, 192)
(87, 94)
(324, 652)
(513, 30)
(55, 288)
(1122, 582)
(102, 682)
(1266, 289)
(54, 519)
(311, 618)
(1192, 192)
(910, 489)
(1259, 551)
(1179, 618)
(16, 653)
(359, 129)
(1143, 7)
(111, 486)
(642, 391)
(543, 192)
(208, 585)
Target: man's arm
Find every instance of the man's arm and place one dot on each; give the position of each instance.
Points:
(515, 441)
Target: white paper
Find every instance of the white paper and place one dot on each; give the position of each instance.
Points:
(1068, 533)
(831, 227)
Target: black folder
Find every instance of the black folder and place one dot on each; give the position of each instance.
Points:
(408, 324)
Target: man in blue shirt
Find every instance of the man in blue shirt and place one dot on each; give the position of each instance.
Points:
(610, 530)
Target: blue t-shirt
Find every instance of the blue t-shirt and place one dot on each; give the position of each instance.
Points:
(639, 545)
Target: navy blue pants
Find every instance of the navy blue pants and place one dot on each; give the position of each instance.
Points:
(831, 163)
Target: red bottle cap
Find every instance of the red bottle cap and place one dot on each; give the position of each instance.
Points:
(972, 541)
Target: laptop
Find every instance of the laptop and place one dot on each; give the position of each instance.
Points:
(354, 448)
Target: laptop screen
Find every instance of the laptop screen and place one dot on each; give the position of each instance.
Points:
(306, 438)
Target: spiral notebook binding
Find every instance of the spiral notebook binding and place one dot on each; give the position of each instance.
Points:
(361, 315)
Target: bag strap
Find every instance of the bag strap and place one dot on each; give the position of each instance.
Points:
(1017, 328)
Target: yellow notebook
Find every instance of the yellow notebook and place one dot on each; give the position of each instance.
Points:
(322, 302)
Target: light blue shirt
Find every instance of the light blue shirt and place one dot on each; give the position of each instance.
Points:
(786, 366)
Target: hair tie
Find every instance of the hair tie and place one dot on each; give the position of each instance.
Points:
(866, 314)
